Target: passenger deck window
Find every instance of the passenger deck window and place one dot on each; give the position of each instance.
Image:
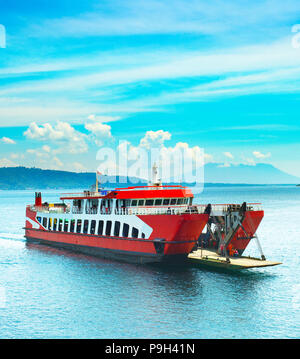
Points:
(141, 202)
(117, 229)
(60, 224)
(45, 222)
(134, 202)
(54, 224)
(125, 230)
(134, 232)
(66, 225)
(180, 200)
(166, 202)
(39, 219)
(72, 225)
(100, 228)
(85, 226)
(158, 202)
(143, 235)
(93, 226)
(108, 228)
(50, 223)
(173, 201)
(149, 202)
(79, 224)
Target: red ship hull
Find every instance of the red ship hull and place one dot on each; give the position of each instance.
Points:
(173, 237)
(249, 227)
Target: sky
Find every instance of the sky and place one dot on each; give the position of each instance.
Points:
(222, 76)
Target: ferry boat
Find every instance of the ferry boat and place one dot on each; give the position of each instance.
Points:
(140, 224)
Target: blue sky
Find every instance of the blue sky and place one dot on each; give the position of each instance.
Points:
(221, 75)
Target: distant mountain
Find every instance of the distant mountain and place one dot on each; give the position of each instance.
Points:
(259, 174)
(12, 178)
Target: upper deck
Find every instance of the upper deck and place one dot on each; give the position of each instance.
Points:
(135, 192)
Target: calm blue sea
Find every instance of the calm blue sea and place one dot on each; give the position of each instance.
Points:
(50, 293)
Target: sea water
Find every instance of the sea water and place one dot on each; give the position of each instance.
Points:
(52, 293)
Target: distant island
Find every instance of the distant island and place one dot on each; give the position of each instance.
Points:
(23, 178)
(215, 175)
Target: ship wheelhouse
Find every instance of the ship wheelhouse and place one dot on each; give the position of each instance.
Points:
(131, 200)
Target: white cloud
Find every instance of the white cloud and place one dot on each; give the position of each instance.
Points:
(178, 162)
(8, 140)
(208, 158)
(225, 165)
(250, 162)
(229, 155)
(158, 17)
(100, 132)
(263, 68)
(103, 118)
(63, 134)
(5, 162)
(16, 156)
(260, 155)
(78, 167)
(155, 138)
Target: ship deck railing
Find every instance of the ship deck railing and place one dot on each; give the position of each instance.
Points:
(217, 209)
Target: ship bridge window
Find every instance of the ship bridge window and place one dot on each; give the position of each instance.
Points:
(149, 202)
(93, 227)
(125, 202)
(100, 228)
(134, 202)
(166, 201)
(117, 229)
(125, 230)
(158, 202)
(91, 206)
(108, 228)
(134, 232)
(141, 202)
(77, 206)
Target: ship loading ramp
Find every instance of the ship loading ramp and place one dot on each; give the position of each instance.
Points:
(207, 257)
(229, 230)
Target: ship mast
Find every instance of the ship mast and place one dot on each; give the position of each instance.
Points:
(97, 182)
(155, 180)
